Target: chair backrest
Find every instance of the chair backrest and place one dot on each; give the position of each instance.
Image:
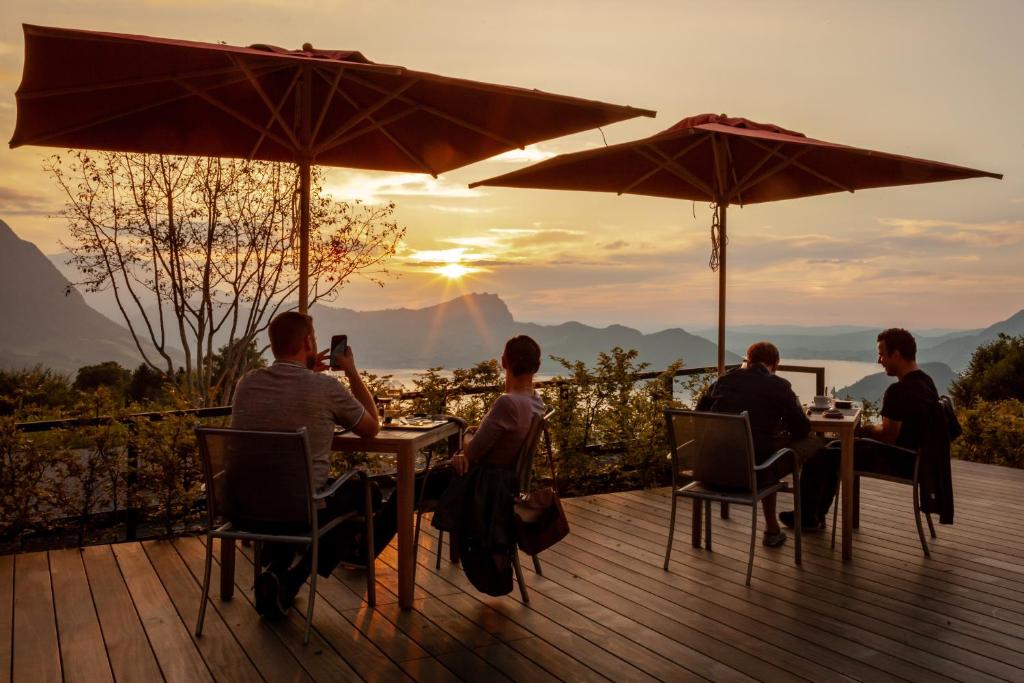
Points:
(255, 477)
(717, 447)
(524, 459)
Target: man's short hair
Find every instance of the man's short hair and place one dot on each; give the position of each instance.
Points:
(763, 352)
(898, 339)
(288, 332)
(522, 355)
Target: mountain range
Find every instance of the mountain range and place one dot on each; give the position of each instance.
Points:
(48, 322)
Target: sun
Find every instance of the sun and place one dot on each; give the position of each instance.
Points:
(454, 271)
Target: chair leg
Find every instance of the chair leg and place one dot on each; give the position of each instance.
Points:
(931, 527)
(371, 561)
(856, 501)
(312, 590)
(440, 544)
(835, 515)
(723, 510)
(753, 541)
(707, 524)
(206, 586)
(917, 519)
(536, 566)
(257, 560)
(519, 576)
(798, 520)
(416, 536)
(671, 529)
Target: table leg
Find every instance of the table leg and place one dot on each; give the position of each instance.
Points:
(406, 537)
(698, 515)
(227, 568)
(846, 471)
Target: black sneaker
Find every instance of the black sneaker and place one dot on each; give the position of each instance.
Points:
(774, 540)
(268, 592)
(788, 519)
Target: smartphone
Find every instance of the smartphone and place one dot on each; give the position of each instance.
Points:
(339, 346)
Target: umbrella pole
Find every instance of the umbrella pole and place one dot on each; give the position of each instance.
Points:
(721, 208)
(305, 171)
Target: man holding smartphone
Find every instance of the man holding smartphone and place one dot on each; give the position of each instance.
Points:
(292, 393)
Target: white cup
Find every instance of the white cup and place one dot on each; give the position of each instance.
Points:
(822, 401)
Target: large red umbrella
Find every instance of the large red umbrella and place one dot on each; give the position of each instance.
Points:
(729, 161)
(130, 93)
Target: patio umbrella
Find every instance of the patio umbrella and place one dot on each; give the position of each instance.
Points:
(128, 93)
(725, 161)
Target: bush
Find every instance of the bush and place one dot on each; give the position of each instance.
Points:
(995, 373)
(993, 433)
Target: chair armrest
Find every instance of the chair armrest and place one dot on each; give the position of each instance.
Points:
(774, 457)
(909, 451)
(337, 483)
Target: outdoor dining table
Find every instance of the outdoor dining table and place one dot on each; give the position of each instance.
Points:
(405, 444)
(844, 428)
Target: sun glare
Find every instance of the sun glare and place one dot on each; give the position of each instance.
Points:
(454, 271)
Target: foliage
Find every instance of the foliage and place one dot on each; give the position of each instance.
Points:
(993, 432)
(109, 374)
(26, 490)
(35, 393)
(196, 249)
(169, 478)
(232, 361)
(995, 373)
(146, 385)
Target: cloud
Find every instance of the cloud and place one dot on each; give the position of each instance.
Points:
(931, 232)
(374, 189)
(20, 203)
(617, 244)
(531, 154)
(461, 209)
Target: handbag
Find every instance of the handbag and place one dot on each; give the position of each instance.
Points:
(539, 516)
(540, 520)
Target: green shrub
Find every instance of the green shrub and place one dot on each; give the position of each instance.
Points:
(996, 372)
(993, 433)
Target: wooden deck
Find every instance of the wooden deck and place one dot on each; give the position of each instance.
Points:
(604, 609)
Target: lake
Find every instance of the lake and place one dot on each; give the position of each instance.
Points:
(838, 373)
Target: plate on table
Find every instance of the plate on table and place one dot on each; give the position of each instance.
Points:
(415, 422)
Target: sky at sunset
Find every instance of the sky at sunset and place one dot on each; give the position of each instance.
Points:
(938, 80)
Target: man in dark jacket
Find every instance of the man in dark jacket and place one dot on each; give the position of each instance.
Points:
(776, 420)
(907, 413)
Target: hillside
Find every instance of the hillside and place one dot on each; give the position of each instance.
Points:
(873, 386)
(47, 323)
(474, 327)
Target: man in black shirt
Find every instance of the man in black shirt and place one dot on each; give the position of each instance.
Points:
(905, 413)
(776, 419)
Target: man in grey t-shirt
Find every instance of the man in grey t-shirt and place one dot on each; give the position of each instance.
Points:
(294, 393)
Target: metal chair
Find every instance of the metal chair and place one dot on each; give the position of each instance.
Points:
(524, 478)
(259, 487)
(913, 481)
(719, 450)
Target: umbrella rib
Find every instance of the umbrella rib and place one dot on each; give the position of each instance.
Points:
(327, 101)
(732, 169)
(777, 168)
(262, 137)
(131, 82)
(275, 108)
(662, 164)
(804, 167)
(444, 115)
(673, 167)
(741, 184)
(236, 114)
(360, 115)
(381, 125)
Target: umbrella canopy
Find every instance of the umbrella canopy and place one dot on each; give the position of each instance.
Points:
(726, 161)
(130, 93)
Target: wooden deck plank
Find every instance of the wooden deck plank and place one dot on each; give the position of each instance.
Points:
(259, 641)
(319, 658)
(954, 618)
(224, 656)
(81, 640)
(36, 649)
(6, 616)
(172, 643)
(359, 652)
(128, 650)
(732, 546)
(604, 609)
